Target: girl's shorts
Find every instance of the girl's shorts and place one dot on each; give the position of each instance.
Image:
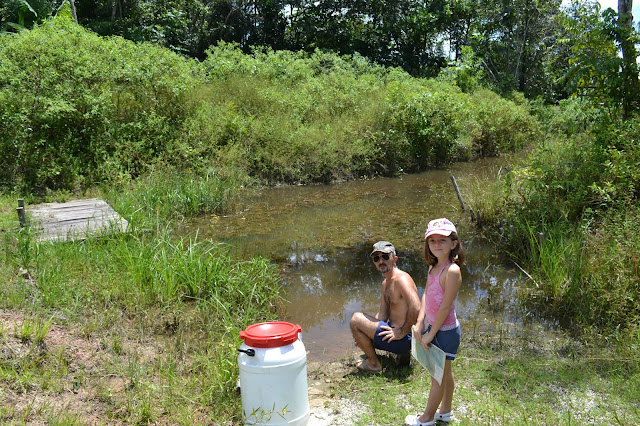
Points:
(447, 340)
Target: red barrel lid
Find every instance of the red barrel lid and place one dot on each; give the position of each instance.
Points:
(270, 334)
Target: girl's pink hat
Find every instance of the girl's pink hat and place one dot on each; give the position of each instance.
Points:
(440, 226)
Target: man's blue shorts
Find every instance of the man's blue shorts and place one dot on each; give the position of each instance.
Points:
(448, 341)
(396, 346)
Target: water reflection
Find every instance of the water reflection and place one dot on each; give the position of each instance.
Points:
(322, 236)
(323, 296)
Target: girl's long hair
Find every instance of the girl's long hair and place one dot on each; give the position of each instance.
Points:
(456, 255)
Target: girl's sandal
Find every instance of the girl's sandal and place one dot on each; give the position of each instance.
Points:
(444, 417)
(412, 420)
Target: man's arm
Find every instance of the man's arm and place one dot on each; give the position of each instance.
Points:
(420, 320)
(410, 294)
(383, 310)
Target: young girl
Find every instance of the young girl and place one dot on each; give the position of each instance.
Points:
(437, 322)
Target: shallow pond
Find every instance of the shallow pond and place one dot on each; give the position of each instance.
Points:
(322, 236)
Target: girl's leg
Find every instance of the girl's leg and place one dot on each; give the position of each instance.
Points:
(435, 396)
(439, 395)
(448, 385)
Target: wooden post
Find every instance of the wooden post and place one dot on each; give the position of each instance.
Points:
(455, 185)
(21, 214)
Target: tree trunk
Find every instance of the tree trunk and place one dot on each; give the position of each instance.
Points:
(72, 3)
(624, 11)
(519, 53)
(630, 85)
(114, 10)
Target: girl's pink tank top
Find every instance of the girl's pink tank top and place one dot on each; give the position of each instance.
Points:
(435, 294)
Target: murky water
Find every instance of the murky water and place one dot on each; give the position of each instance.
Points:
(322, 236)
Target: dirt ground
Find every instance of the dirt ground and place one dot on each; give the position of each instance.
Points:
(78, 353)
(325, 410)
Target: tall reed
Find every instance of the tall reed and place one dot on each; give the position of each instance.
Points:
(557, 254)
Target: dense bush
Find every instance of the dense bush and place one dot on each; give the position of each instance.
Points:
(569, 117)
(570, 215)
(576, 178)
(79, 110)
(434, 124)
(501, 125)
(609, 293)
(289, 117)
(587, 273)
(366, 119)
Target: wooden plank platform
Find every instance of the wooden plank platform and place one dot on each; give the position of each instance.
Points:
(74, 220)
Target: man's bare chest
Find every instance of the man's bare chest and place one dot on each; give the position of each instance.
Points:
(391, 295)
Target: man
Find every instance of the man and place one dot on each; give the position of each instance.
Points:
(390, 328)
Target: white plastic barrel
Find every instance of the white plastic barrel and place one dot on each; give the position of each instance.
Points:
(273, 375)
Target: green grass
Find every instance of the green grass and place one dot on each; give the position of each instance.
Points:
(167, 195)
(525, 380)
(144, 325)
(123, 288)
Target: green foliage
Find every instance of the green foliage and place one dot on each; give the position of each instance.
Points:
(433, 123)
(575, 178)
(188, 27)
(512, 38)
(596, 68)
(608, 295)
(302, 118)
(569, 215)
(332, 116)
(21, 14)
(207, 295)
(403, 33)
(166, 271)
(77, 109)
(618, 150)
(517, 45)
(568, 117)
(586, 275)
(466, 73)
(501, 125)
(166, 195)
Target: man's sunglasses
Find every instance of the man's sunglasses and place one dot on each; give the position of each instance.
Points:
(376, 257)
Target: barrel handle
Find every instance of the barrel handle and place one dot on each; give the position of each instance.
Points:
(249, 352)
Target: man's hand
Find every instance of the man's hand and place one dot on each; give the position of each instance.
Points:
(391, 333)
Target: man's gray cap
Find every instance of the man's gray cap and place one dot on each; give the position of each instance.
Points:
(384, 247)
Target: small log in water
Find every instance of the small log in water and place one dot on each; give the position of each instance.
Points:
(455, 185)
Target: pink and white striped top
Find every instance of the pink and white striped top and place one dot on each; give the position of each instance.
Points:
(435, 294)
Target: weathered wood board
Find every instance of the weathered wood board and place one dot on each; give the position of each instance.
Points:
(74, 220)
